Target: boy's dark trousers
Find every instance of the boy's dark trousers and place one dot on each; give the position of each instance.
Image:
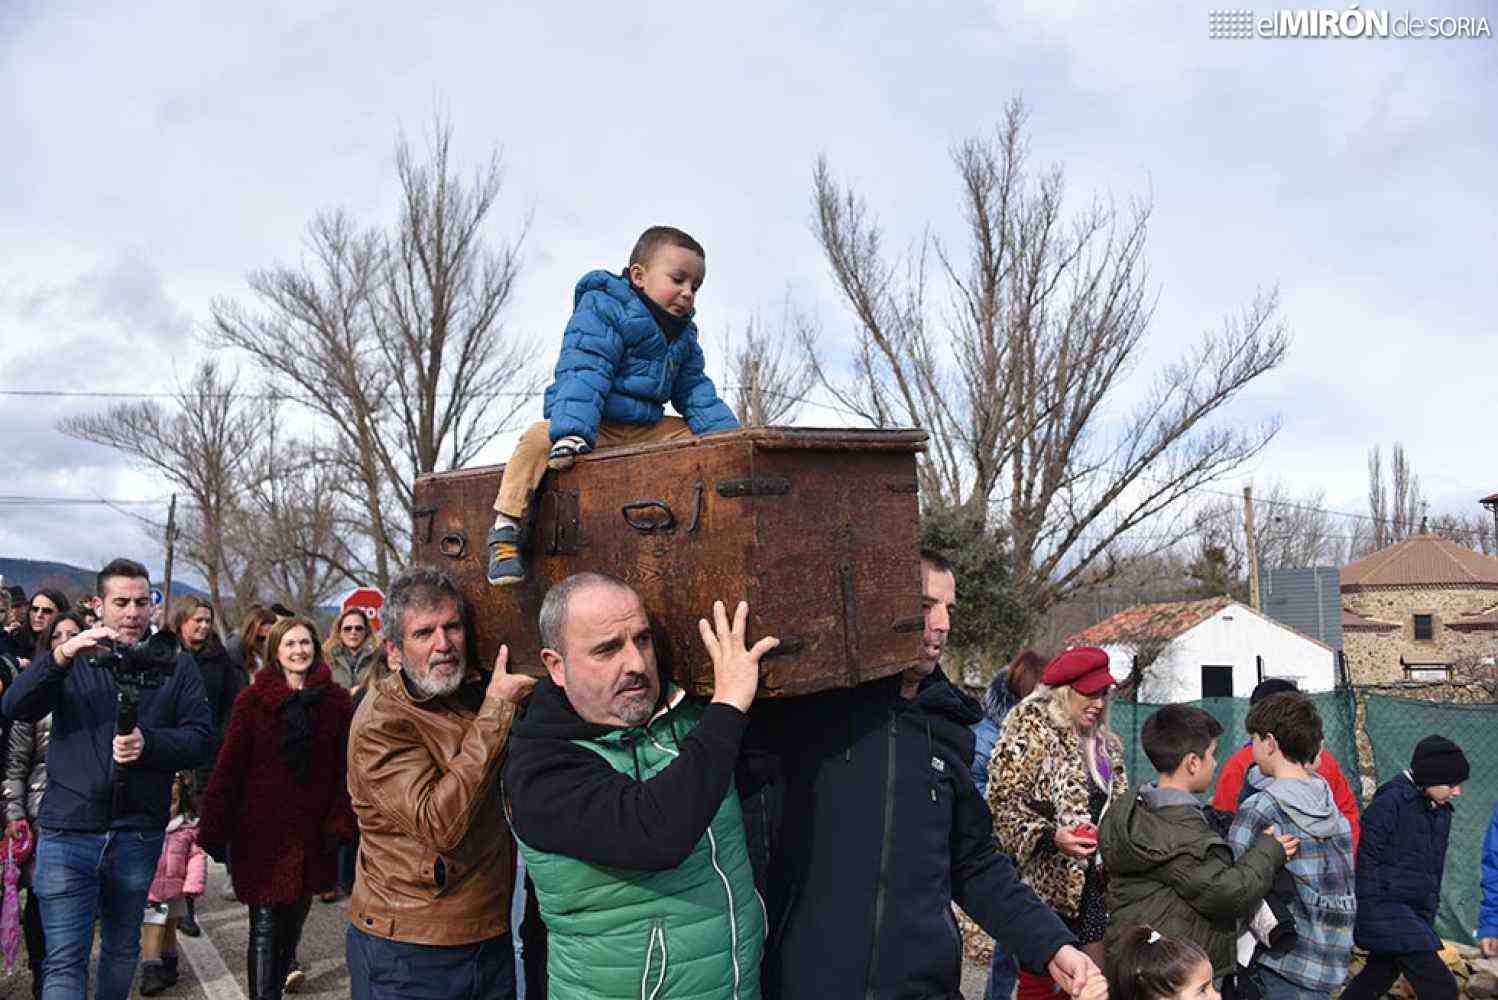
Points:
(1424, 970)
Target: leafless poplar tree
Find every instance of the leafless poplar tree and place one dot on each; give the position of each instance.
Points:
(203, 446)
(1047, 311)
(397, 340)
(1395, 505)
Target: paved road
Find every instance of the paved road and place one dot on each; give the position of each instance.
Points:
(213, 966)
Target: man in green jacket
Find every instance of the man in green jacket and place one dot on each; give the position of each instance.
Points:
(621, 797)
(1168, 869)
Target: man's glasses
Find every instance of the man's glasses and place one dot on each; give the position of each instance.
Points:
(37, 609)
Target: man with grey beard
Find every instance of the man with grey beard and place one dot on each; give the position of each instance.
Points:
(430, 909)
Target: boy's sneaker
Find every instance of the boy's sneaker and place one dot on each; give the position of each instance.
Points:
(565, 451)
(506, 566)
(153, 979)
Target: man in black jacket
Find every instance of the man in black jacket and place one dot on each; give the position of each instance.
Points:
(881, 828)
(91, 860)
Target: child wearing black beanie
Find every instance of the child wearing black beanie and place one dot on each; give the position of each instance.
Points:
(1400, 861)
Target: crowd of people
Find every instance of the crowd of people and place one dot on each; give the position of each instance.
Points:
(668, 846)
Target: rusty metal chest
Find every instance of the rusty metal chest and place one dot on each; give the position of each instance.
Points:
(816, 529)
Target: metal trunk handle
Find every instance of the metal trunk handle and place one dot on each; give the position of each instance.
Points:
(636, 517)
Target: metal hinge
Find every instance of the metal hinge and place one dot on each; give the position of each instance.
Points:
(754, 486)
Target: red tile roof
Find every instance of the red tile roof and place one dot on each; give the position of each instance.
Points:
(1422, 560)
(1149, 621)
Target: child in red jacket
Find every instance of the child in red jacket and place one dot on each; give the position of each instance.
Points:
(1230, 779)
(181, 872)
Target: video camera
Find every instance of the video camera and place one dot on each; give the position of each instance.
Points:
(137, 667)
(142, 665)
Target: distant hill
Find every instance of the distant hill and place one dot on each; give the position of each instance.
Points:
(71, 580)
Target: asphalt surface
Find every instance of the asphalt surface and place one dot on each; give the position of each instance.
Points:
(213, 965)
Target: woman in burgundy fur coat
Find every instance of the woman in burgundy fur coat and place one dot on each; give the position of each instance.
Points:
(279, 797)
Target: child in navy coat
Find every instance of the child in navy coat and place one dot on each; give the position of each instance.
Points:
(630, 348)
(1400, 861)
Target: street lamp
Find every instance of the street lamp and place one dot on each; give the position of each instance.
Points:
(1491, 503)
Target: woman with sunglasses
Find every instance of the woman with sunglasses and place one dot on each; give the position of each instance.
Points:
(45, 605)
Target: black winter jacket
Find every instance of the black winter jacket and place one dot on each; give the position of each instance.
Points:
(223, 679)
(1401, 858)
(880, 829)
(174, 720)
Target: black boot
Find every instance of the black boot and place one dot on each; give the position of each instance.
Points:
(153, 979)
(289, 921)
(265, 973)
(188, 925)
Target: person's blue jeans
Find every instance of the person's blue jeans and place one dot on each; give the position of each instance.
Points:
(380, 969)
(1003, 975)
(81, 877)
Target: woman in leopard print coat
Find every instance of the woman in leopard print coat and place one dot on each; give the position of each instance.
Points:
(1058, 766)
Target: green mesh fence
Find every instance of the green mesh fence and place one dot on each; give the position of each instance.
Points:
(1394, 726)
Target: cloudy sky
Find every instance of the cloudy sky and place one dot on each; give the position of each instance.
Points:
(155, 152)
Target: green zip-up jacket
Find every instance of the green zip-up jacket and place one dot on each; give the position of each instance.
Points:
(635, 843)
(1169, 870)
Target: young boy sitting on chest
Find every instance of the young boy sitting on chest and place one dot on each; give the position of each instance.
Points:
(630, 347)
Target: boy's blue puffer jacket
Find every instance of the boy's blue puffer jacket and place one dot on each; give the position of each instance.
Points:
(618, 365)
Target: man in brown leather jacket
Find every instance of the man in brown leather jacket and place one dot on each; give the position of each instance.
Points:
(431, 904)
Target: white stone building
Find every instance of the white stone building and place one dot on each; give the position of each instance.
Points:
(1210, 648)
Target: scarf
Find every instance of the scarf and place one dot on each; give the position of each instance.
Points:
(295, 745)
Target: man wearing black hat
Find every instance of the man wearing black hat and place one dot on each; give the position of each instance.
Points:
(881, 829)
(1400, 862)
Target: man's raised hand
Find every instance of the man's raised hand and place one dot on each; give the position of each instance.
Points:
(735, 667)
(505, 686)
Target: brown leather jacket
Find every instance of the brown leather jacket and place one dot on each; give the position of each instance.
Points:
(436, 857)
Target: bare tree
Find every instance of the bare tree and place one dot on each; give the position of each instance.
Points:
(1293, 532)
(1396, 506)
(767, 381)
(202, 446)
(292, 540)
(1475, 531)
(1047, 313)
(396, 340)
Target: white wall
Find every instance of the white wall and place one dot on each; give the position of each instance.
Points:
(1233, 637)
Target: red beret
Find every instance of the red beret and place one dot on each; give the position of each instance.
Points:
(1084, 668)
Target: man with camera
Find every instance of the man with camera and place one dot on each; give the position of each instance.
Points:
(104, 814)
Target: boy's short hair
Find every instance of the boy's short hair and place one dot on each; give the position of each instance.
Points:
(1272, 685)
(652, 239)
(1175, 731)
(1293, 722)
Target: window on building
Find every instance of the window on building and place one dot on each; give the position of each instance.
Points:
(1425, 628)
(1217, 681)
(1428, 672)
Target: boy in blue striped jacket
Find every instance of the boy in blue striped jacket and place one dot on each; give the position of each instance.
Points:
(1289, 794)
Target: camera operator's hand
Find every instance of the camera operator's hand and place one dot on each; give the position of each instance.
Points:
(84, 642)
(127, 749)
